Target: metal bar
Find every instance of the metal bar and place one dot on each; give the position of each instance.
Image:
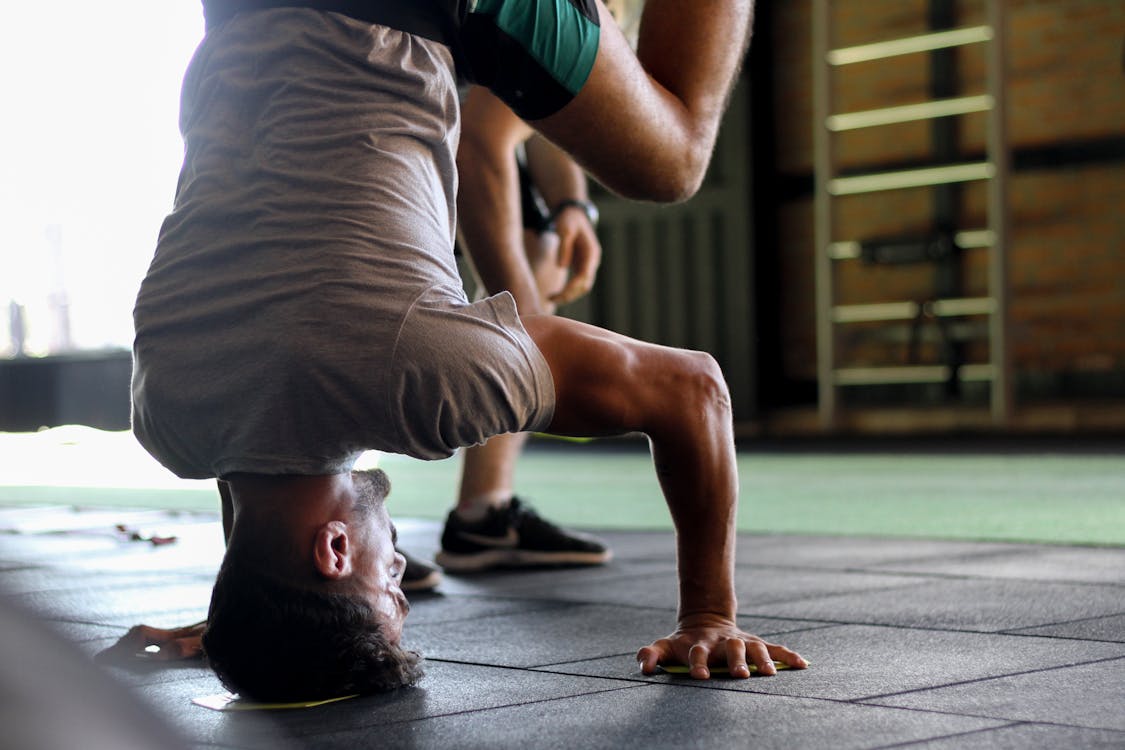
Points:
(910, 112)
(922, 43)
(844, 250)
(822, 217)
(977, 373)
(945, 308)
(885, 375)
(910, 374)
(871, 183)
(998, 220)
(966, 240)
(875, 311)
(973, 238)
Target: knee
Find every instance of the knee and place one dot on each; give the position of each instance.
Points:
(699, 388)
(710, 384)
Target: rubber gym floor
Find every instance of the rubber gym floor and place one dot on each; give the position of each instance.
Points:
(963, 593)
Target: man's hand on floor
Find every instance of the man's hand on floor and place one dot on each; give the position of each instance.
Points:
(156, 644)
(706, 641)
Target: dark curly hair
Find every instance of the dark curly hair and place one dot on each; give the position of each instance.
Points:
(272, 640)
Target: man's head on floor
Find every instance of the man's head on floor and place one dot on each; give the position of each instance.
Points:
(307, 602)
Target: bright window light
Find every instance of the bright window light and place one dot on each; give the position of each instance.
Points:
(89, 154)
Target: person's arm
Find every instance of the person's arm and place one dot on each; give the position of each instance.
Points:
(645, 125)
(609, 384)
(562, 183)
(488, 202)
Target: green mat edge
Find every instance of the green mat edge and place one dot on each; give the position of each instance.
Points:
(206, 501)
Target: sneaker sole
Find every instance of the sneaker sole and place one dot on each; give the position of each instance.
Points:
(517, 558)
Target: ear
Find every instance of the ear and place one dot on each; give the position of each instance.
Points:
(332, 551)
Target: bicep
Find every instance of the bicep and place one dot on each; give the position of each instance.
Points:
(643, 124)
(623, 127)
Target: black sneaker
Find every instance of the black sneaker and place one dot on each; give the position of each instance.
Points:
(418, 576)
(513, 537)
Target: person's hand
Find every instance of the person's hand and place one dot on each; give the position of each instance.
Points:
(157, 644)
(705, 641)
(579, 251)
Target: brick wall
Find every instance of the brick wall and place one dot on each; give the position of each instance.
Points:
(1066, 96)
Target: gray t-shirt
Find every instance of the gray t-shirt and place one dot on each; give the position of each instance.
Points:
(303, 303)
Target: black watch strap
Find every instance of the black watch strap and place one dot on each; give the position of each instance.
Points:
(587, 207)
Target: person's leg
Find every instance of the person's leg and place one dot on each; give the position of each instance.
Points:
(488, 470)
(485, 504)
(487, 474)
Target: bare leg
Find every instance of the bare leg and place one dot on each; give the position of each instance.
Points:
(488, 471)
(227, 508)
(606, 383)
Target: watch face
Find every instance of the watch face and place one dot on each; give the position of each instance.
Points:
(587, 207)
(592, 213)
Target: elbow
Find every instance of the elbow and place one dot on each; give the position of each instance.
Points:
(679, 186)
(672, 179)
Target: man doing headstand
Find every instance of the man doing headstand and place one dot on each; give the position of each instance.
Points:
(303, 306)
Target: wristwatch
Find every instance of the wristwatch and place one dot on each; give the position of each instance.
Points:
(587, 207)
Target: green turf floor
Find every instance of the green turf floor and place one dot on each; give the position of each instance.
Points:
(1066, 497)
(1045, 498)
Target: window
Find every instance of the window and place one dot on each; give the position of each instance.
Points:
(89, 153)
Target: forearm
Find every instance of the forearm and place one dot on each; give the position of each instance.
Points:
(697, 468)
(555, 174)
(488, 203)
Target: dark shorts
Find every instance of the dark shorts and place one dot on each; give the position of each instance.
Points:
(534, 54)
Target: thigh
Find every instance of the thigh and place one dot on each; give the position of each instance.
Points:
(609, 384)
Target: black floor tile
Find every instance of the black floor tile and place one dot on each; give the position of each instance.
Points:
(137, 673)
(961, 604)
(43, 582)
(119, 606)
(552, 636)
(1111, 628)
(1061, 564)
(54, 549)
(1028, 737)
(172, 698)
(654, 585)
(640, 546)
(447, 689)
(852, 553)
(661, 716)
(1085, 695)
(918, 643)
(87, 635)
(546, 582)
(430, 608)
(853, 662)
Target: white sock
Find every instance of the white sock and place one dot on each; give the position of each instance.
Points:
(476, 509)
